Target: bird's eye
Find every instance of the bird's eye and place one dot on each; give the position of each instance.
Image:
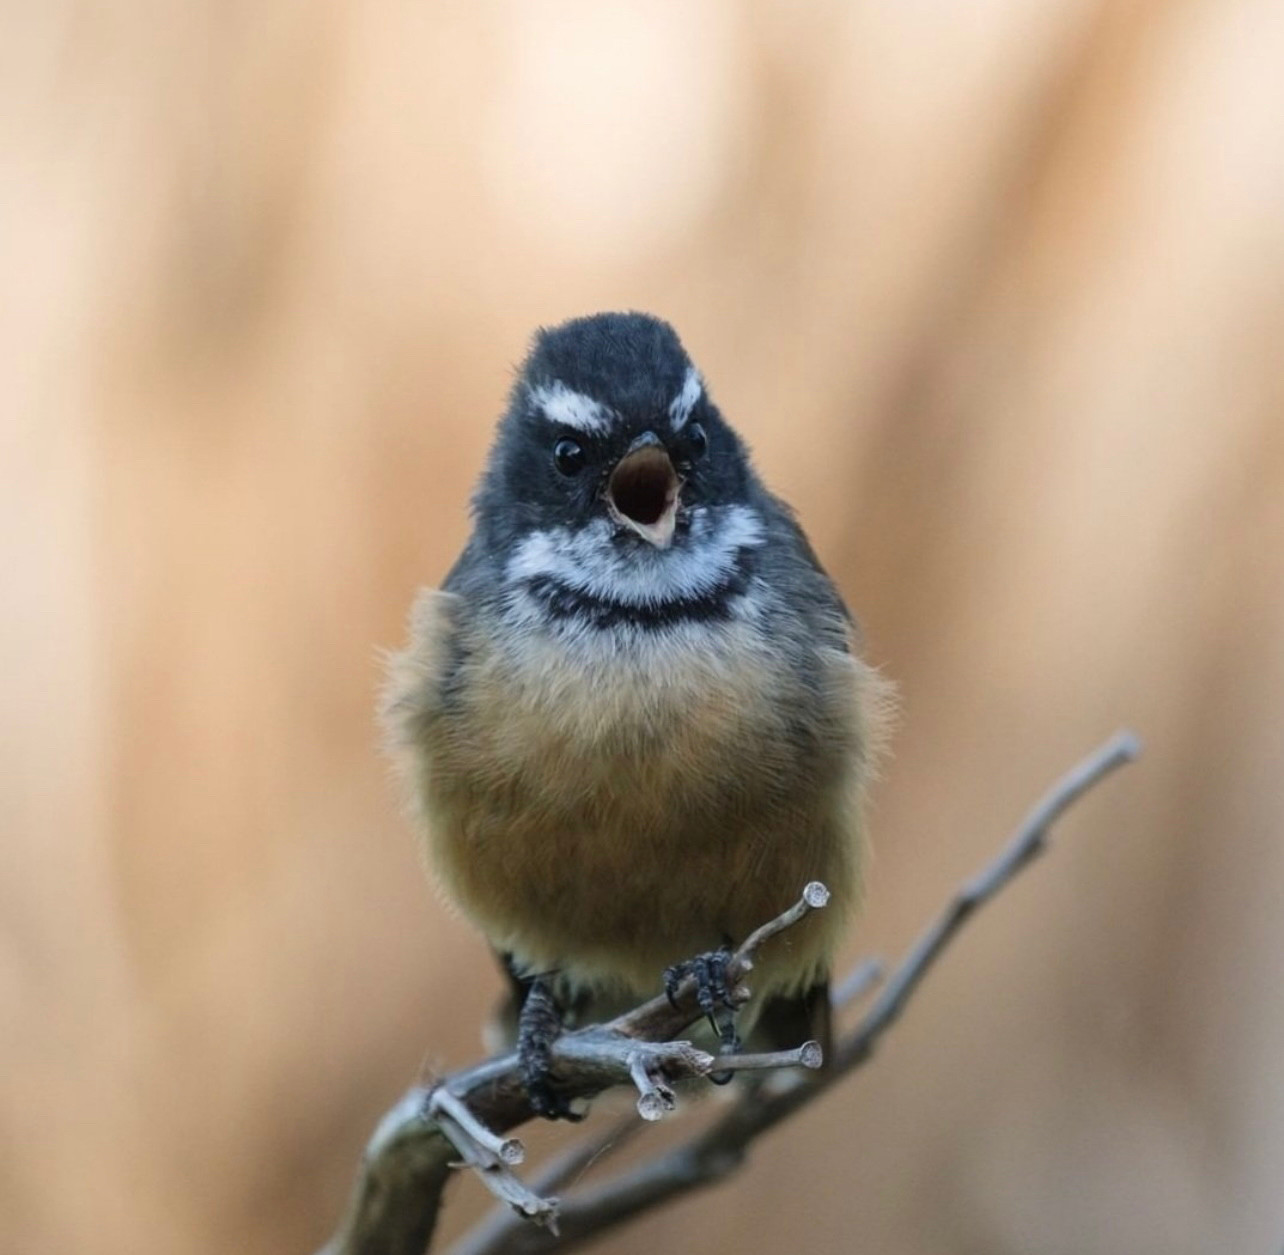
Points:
(697, 441)
(568, 457)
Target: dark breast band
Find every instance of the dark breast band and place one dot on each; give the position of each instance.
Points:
(562, 603)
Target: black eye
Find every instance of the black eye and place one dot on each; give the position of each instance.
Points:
(697, 441)
(568, 457)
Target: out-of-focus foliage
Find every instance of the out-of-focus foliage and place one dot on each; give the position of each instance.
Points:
(995, 289)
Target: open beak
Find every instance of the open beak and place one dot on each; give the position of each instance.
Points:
(642, 492)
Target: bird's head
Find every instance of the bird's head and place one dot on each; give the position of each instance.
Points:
(613, 474)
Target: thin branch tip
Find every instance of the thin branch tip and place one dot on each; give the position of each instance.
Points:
(506, 1150)
(1128, 744)
(811, 1055)
(655, 1098)
(814, 897)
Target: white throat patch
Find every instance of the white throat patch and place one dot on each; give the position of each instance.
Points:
(564, 405)
(586, 561)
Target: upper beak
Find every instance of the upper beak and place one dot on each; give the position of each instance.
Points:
(642, 492)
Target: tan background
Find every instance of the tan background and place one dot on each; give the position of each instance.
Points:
(995, 289)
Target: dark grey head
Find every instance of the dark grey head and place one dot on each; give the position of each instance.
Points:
(613, 473)
(609, 418)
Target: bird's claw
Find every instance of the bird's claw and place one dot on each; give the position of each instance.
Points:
(538, 1027)
(713, 996)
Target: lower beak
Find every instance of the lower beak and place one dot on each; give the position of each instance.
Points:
(642, 493)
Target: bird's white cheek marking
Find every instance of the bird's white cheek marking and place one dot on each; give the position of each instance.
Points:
(681, 406)
(564, 405)
(587, 561)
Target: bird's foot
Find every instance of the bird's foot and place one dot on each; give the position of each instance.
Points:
(714, 996)
(538, 1027)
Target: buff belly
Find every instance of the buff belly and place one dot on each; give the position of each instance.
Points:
(606, 819)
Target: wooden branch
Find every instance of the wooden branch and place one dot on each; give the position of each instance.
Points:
(1027, 843)
(406, 1164)
(398, 1193)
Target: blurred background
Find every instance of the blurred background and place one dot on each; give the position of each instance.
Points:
(996, 291)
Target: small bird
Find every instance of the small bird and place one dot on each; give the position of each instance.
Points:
(633, 720)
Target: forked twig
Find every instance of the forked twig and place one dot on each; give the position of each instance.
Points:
(393, 1209)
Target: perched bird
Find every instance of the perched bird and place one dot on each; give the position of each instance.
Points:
(633, 720)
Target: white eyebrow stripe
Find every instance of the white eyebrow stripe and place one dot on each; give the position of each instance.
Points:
(681, 406)
(570, 408)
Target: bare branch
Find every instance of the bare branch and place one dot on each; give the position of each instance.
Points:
(857, 983)
(809, 1055)
(405, 1167)
(407, 1160)
(1029, 841)
(443, 1106)
(815, 896)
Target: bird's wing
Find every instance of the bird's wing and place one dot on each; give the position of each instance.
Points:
(819, 597)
